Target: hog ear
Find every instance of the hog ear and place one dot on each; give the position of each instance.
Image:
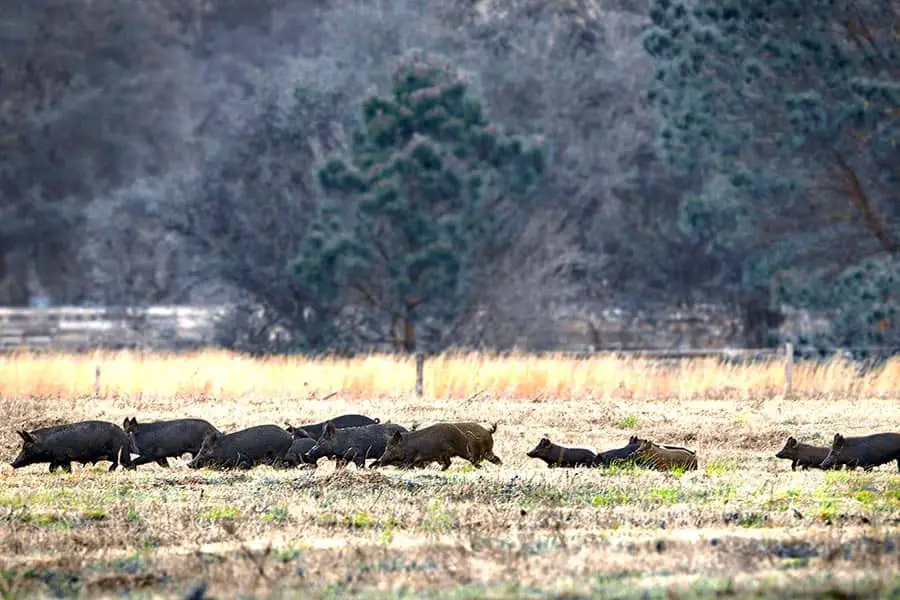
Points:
(633, 440)
(329, 430)
(26, 437)
(838, 441)
(545, 441)
(395, 439)
(791, 442)
(301, 433)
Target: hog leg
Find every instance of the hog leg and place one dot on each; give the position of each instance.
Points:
(66, 466)
(445, 461)
(793, 465)
(496, 460)
(163, 462)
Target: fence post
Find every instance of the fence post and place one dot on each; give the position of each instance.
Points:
(788, 368)
(420, 373)
(97, 381)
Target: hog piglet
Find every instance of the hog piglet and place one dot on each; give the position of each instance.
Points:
(260, 445)
(803, 455)
(867, 451)
(561, 456)
(664, 458)
(618, 455)
(84, 442)
(352, 444)
(160, 440)
(295, 456)
(315, 430)
(440, 443)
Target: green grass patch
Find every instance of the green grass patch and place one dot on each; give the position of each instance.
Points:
(609, 498)
(277, 515)
(220, 513)
(752, 520)
(665, 495)
(436, 518)
(94, 514)
(715, 468)
(629, 422)
(359, 519)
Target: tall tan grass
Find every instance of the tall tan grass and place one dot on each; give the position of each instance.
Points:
(225, 375)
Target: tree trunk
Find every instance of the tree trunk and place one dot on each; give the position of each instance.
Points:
(409, 330)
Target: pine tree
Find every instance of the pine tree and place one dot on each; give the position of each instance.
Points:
(412, 209)
(790, 111)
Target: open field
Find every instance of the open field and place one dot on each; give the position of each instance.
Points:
(743, 524)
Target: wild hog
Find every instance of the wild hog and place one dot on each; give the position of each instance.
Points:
(440, 443)
(299, 447)
(560, 456)
(663, 458)
(354, 444)
(623, 454)
(804, 455)
(159, 440)
(315, 430)
(84, 442)
(260, 445)
(868, 451)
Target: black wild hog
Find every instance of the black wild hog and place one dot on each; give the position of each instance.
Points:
(356, 444)
(84, 442)
(315, 430)
(299, 447)
(560, 456)
(804, 455)
(867, 451)
(621, 455)
(664, 458)
(159, 440)
(260, 445)
(439, 443)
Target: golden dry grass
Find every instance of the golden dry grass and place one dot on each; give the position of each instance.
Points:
(227, 376)
(742, 524)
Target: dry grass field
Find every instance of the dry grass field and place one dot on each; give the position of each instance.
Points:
(743, 525)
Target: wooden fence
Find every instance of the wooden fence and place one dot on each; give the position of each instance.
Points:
(76, 328)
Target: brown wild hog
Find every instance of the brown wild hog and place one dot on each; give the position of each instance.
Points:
(867, 451)
(804, 455)
(160, 440)
(620, 455)
(561, 456)
(84, 442)
(260, 445)
(314, 430)
(664, 458)
(439, 443)
(356, 444)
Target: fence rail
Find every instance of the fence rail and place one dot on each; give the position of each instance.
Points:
(82, 328)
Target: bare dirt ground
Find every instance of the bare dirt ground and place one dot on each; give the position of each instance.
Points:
(743, 525)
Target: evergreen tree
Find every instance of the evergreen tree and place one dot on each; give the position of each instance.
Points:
(789, 109)
(419, 203)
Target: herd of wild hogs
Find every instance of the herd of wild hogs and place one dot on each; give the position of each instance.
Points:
(357, 438)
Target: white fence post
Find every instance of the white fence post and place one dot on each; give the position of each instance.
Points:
(420, 374)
